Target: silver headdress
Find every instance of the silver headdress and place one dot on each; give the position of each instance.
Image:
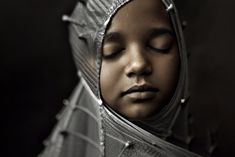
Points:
(87, 128)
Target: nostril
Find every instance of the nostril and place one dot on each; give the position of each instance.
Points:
(148, 70)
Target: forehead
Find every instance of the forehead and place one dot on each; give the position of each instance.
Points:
(140, 12)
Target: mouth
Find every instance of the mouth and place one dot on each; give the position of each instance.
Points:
(140, 92)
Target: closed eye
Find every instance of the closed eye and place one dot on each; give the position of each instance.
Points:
(113, 54)
(112, 50)
(161, 43)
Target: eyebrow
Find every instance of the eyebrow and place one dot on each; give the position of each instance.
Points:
(112, 36)
(160, 31)
(153, 32)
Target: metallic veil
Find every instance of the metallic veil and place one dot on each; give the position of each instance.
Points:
(86, 127)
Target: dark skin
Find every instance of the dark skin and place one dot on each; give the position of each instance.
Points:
(140, 65)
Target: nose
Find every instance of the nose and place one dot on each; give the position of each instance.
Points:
(139, 62)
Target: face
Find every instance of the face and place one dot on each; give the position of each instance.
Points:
(140, 63)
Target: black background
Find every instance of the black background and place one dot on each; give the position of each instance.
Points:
(37, 70)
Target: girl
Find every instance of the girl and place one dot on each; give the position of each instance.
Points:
(133, 79)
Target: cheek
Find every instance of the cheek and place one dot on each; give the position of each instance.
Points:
(167, 72)
(109, 82)
(105, 82)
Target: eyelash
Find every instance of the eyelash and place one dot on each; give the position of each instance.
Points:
(160, 50)
(117, 51)
(113, 54)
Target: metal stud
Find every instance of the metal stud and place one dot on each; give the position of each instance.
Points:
(128, 144)
(169, 8)
(102, 143)
(182, 101)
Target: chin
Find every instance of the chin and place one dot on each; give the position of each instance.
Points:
(138, 113)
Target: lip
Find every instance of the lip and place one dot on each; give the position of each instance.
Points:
(141, 92)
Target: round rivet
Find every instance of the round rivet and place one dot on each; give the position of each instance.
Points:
(102, 143)
(182, 101)
(127, 144)
(65, 18)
